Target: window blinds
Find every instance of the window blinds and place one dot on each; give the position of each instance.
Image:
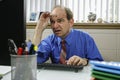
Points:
(108, 10)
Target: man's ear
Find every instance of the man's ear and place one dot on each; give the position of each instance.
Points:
(71, 22)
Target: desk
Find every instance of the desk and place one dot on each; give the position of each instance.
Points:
(47, 74)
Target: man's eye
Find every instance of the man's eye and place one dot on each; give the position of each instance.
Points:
(60, 20)
(51, 21)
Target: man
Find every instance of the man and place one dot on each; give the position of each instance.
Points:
(80, 46)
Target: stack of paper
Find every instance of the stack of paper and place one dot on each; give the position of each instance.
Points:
(105, 70)
(4, 70)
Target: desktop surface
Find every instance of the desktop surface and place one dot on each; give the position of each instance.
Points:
(51, 74)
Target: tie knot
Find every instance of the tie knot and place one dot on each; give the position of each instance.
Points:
(63, 45)
(63, 42)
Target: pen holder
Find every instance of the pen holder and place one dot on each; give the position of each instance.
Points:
(23, 67)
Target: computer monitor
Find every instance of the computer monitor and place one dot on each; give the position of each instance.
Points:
(13, 26)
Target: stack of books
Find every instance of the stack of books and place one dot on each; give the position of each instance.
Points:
(103, 70)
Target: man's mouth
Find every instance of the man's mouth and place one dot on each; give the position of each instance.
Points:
(57, 31)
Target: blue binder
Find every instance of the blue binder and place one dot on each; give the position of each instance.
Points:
(111, 67)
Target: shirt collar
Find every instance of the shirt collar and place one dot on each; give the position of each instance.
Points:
(68, 38)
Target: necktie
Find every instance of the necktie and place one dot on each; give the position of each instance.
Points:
(63, 53)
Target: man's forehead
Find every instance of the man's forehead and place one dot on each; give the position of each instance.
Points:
(57, 16)
(58, 12)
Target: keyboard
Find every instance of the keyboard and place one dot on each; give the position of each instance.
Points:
(59, 67)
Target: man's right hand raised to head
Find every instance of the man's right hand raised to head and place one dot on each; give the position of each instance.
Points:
(43, 20)
(41, 25)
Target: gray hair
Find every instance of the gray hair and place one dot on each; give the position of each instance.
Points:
(67, 10)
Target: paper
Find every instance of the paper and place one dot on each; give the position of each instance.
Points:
(4, 70)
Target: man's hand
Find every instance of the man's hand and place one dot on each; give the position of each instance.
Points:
(76, 60)
(41, 25)
(43, 20)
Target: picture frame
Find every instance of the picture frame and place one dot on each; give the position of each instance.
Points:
(33, 16)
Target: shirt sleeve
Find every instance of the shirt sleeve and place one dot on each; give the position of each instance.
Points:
(43, 51)
(92, 51)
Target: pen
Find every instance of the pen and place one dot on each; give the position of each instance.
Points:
(20, 51)
(25, 49)
(33, 49)
(23, 45)
(12, 46)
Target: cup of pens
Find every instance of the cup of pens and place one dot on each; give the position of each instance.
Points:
(23, 67)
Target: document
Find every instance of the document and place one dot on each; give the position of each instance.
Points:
(4, 70)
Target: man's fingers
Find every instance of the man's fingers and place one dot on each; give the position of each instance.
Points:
(70, 61)
(75, 60)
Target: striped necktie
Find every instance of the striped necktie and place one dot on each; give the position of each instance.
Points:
(63, 53)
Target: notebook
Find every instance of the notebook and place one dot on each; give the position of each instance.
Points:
(113, 71)
(98, 77)
(105, 74)
(104, 64)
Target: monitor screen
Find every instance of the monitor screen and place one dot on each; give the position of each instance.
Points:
(12, 19)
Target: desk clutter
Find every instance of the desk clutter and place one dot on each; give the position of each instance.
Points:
(23, 61)
(24, 49)
(105, 70)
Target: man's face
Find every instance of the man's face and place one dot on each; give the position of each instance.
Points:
(59, 23)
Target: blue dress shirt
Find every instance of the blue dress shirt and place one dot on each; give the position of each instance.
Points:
(78, 43)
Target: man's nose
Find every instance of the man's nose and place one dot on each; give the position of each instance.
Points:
(56, 24)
